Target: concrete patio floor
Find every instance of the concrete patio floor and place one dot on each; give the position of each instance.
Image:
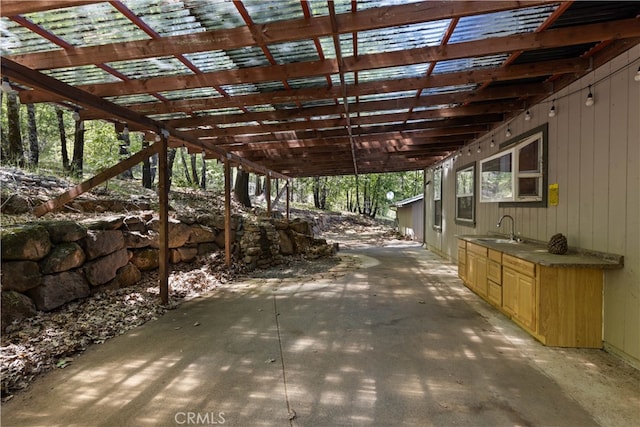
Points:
(389, 337)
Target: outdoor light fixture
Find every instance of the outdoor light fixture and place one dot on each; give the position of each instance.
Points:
(479, 150)
(6, 86)
(527, 116)
(125, 131)
(508, 133)
(493, 142)
(469, 152)
(552, 111)
(637, 76)
(157, 138)
(589, 101)
(76, 115)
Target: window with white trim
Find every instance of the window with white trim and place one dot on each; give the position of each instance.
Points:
(518, 173)
(465, 195)
(437, 198)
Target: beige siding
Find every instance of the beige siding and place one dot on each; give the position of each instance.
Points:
(411, 220)
(594, 156)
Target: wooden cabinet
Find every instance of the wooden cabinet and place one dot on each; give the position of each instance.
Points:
(462, 260)
(477, 268)
(559, 306)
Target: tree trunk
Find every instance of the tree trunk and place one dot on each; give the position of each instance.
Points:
(63, 139)
(194, 170)
(78, 150)
(15, 154)
(34, 149)
(125, 143)
(203, 172)
(259, 189)
(153, 170)
(146, 168)
(241, 188)
(184, 165)
(357, 206)
(171, 157)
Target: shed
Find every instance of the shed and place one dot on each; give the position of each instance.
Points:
(410, 217)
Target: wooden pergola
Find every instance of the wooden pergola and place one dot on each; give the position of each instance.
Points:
(304, 87)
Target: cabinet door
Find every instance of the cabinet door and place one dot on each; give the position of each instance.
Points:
(472, 267)
(525, 311)
(481, 276)
(462, 264)
(509, 290)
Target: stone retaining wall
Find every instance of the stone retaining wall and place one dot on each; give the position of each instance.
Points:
(48, 264)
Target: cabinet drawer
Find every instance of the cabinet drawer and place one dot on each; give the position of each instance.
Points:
(462, 243)
(477, 249)
(495, 255)
(495, 293)
(494, 271)
(521, 266)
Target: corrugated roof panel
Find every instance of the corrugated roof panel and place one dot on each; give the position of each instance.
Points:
(349, 78)
(168, 116)
(260, 108)
(215, 60)
(566, 52)
(298, 51)
(220, 111)
(369, 4)
(328, 48)
(17, 40)
(88, 25)
(167, 18)
(448, 89)
(401, 38)
(237, 124)
(215, 14)
(262, 11)
(378, 112)
(392, 73)
(87, 74)
(318, 103)
(464, 64)
(390, 95)
(240, 89)
(204, 92)
(346, 45)
(500, 24)
(151, 67)
(264, 87)
(583, 12)
(317, 81)
(432, 107)
(247, 57)
(285, 106)
(132, 99)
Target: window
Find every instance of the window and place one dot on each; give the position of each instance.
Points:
(517, 175)
(465, 195)
(437, 198)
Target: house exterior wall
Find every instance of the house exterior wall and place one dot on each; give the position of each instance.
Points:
(594, 157)
(411, 220)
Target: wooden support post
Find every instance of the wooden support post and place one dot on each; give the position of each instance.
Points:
(227, 212)
(288, 196)
(163, 196)
(267, 193)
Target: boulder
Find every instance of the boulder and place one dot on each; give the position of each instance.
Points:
(134, 223)
(220, 238)
(207, 248)
(301, 226)
(25, 242)
(113, 222)
(301, 242)
(20, 276)
(64, 231)
(137, 240)
(201, 234)
(125, 276)
(59, 289)
(286, 244)
(15, 307)
(104, 269)
(102, 242)
(63, 257)
(146, 259)
(14, 204)
(178, 232)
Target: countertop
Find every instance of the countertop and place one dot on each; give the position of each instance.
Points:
(537, 252)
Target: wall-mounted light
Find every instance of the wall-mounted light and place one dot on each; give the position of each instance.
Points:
(6, 86)
(508, 132)
(637, 76)
(157, 138)
(469, 152)
(76, 115)
(552, 110)
(589, 101)
(527, 116)
(479, 150)
(125, 131)
(493, 142)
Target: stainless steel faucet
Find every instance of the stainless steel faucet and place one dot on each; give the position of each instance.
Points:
(512, 236)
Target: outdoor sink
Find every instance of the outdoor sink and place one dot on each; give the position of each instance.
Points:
(499, 240)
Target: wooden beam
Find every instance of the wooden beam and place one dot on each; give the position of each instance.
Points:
(163, 195)
(288, 199)
(87, 185)
(273, 32)
(267, 191)
(22, 7)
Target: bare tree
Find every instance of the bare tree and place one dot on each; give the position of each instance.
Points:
(78, 150)
(63, 139)
(15, 151)
(241, 188)
(34, 149)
